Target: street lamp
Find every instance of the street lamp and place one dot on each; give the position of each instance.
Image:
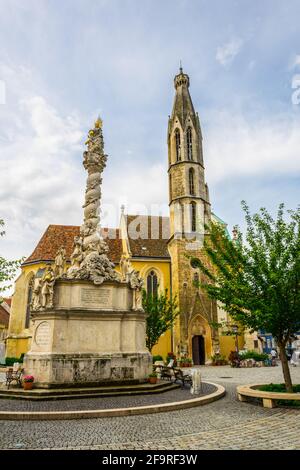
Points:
(235, 330)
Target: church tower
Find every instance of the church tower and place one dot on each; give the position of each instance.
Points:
(189, 212)
(188, 193)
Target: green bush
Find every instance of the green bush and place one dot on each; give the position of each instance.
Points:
(278, 388)
(281, 388)
(9, 361)
(218, 359)
(254, 355)
(157, 358)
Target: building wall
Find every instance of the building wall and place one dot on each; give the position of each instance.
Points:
(19, 337)
(162, 269)
(227, 344)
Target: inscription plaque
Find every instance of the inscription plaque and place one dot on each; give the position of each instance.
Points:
(42, 334)
(98, 297)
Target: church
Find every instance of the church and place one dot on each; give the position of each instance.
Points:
(158, 247)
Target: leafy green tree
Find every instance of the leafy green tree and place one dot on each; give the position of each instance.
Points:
(8, 269)
(257, 279)
(161, 312)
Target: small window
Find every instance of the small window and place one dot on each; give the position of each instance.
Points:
(255, 343)
(189, 143)
(191, 182)
(177, 145)
(193, 216)
(29, 296)
(152, 284)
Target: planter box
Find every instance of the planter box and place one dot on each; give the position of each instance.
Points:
(27, 385)
(152, 380)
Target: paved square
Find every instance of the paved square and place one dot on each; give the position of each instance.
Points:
(225, 424)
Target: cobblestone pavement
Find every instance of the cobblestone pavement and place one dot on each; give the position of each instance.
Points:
(224, 424)
(104, 402)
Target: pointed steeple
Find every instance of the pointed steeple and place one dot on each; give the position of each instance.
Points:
(183, 105)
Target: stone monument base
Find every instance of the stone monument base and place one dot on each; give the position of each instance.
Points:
(91, 336)
(87, 370)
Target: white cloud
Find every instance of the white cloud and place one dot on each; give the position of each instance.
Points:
(39, 167)
(226, 53)
(237, 147)
(43, 180)
(295, 62)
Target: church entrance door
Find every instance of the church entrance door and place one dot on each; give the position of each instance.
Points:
(198, 347)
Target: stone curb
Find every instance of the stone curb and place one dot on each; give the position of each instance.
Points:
(139, 410)
(268, 398)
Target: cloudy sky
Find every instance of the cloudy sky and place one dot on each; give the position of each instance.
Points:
(62, 63)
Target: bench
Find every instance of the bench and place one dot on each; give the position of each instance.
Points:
(167, 372)
(14, 376)
(268, 398)
(183, 378)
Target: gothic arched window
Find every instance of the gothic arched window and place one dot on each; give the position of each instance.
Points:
(191, 182)
(193, 216)
(177, 144)
(189, 143)
(29, 296)
(152, 283)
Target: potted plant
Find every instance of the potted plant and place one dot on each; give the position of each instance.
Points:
(152, 378)
(28, 382)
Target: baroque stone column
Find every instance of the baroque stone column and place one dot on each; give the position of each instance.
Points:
(89, 259)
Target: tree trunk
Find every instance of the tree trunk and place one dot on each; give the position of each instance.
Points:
(285, 368)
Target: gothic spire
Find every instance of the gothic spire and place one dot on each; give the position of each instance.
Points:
(183, 105)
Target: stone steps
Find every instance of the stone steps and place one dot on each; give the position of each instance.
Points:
(91, 392)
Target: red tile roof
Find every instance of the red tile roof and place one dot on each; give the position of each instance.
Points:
(4, 317)
(7, 300)
(148, 236)
(63, 235)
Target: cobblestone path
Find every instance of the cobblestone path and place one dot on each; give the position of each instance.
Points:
(224, 424)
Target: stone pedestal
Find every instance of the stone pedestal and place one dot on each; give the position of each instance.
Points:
(90, 337)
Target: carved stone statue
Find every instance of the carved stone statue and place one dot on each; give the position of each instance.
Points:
(47, 287)
(59, 263)
(196, 382)
(136, 283)
(126, 267)
(36, 295)
(76, 256)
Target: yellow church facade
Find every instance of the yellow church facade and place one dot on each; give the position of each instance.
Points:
(158, 247)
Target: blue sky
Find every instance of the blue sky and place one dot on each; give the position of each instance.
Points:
(62, 63)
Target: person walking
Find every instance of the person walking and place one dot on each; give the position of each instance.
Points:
(273, 353)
